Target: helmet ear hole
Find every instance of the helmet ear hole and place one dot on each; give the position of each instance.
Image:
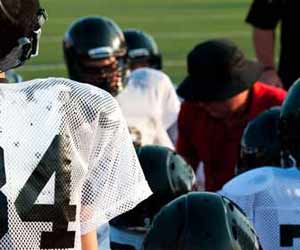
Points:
(234, 232)
(173, 166)
(230, 206)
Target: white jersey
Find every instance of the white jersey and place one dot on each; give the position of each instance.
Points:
(270, 197)
(67, 164)
(150, 105)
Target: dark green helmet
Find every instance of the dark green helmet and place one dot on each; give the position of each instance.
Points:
(260, 144)
(289, 123)
(142, 47)
(201, 221)
(168, 175)
(92, 39)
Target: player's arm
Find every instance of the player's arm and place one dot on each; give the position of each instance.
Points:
(264, 35)
(264, 44)
(89, 241)
(264, 27)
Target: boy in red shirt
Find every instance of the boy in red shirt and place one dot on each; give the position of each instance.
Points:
(221, 95)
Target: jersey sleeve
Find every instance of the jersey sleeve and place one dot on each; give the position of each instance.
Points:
(265, 14)
(115, 182)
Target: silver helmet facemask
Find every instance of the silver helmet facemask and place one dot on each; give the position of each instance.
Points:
(27, 47)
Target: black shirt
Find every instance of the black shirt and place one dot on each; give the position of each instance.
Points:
(266, 14)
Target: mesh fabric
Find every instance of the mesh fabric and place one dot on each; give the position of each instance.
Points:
(68, 162)
(270, 197)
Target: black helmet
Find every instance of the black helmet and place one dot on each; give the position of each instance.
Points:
(142, 48)
(20, 32)
(201, 221)
(260, 144)
(289, 123)
(168, 175)
(92, 39)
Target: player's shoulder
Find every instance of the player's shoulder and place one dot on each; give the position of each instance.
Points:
(76, 93)
(253, 181)
(267, 91)
(148, 77)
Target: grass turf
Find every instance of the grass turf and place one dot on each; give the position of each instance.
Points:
(177, 25)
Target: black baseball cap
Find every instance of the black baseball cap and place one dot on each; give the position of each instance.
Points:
(217, 71)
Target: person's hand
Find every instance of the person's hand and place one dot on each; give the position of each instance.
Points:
(271, 77)
(199, 184)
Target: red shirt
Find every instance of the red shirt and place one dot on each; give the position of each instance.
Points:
(203, 138)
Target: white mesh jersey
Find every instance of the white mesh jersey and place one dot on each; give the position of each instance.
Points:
(150, 105)
(270, 197)
(67, 164)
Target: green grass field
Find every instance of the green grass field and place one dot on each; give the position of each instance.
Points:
(177, 25)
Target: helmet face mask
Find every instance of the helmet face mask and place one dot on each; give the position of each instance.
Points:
(95, 52)
(105, 73)
(260, 143)
(289, 133)
(251, 158)
(27, 46)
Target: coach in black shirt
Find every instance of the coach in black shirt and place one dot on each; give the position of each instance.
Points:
(264, 15)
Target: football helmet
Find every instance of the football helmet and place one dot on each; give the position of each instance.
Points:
(95, 52)
(201, 221)
(260, 144)
(142, 48)
(168, 175)
(26, 46)
(289, 123)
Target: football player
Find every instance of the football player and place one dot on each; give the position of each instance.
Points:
(169, 176)
(150, 105)
(142, 50)
(67, 164)
(95, 52)
(201, 221)
(270, 195)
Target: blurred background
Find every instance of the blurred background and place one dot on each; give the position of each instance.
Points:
(177, 25)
